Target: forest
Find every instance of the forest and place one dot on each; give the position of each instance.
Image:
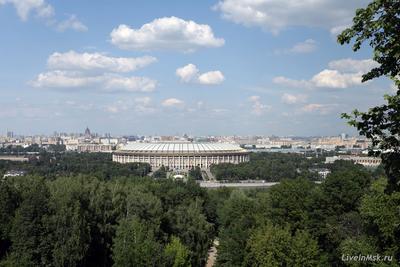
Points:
(271, 167)
(69, 217)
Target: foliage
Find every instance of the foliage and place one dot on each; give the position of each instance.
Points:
(379, 24)
(177, 254)
(195, 173)
(86, 221)
(135, 245)
(161, 172)
(267, 166)
(52, 165)
(275, 246)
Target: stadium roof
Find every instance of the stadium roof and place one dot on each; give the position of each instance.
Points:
(182, 147)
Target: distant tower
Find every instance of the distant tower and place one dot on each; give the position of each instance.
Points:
(88, 134)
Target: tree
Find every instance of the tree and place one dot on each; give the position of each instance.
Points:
(177, 254)
(30, 246)
(379, 23)
(271, 246)
(9, 200)
(236, 219)
(289, 201)
(195, 173)
(189, 224)
(134, 245)
(381, 214)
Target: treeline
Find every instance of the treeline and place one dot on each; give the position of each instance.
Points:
(85, 221)
(300, 223)
(34, 148)
(269, 166)
(53, 165)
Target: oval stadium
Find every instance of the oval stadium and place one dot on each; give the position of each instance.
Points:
(181, 156)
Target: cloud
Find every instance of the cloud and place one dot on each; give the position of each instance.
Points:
(211, 77)
(26, 7)
(335, 31)
(307, 46)
(291, 82)
(258, 108)
(72, 70)
(322, 109)
(72, 23)
(138, 105)
(293, 99)
(341, 74)
(190, 74)
(168, 33)
(353, 65)
(105, 82)
(335, 79)
(42, 9)
(96, 62)
(172, 103)
(276, 15)
(304, 47)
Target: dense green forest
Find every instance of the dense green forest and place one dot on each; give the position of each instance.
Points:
(300, 223)
(271, 167)
(85, 221)
(52, 165)
(81, 219)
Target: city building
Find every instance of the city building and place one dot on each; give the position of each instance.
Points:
(365, 161)
(181, 156)
(94, 148)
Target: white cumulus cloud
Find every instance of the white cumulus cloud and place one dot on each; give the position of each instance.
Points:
(322, 109)
(187, 73)
(172, 102)
(105, 82)
(258, 108)
(26, 7)
(211, 77)
(41, 9)
(167, 33)
(96, 62)
(353, 65)
(72, 23)
(276, 15)
(72, 70)
(191, 74)
(342, 73)
(291, 99)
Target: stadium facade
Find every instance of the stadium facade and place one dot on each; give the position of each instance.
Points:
(181, 156)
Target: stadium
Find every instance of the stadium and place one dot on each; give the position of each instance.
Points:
(181, 156)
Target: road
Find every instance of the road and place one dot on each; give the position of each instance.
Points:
(207, 184)
(215, 184)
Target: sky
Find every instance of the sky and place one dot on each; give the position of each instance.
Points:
(210, 67)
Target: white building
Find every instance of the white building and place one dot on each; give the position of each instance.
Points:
(365, 161)
(181, 156)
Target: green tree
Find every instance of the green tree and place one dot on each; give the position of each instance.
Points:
(190, 225)
(379, 23)
(9, 200)
(381, 213)
(30, 246)
(176, 254)
(271, 246)
(69, 222)
(236, 219)
(134, 245)
(288, 203)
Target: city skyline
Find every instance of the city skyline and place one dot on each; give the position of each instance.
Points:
(202, 68)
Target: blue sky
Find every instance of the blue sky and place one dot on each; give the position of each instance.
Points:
(227, 67)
